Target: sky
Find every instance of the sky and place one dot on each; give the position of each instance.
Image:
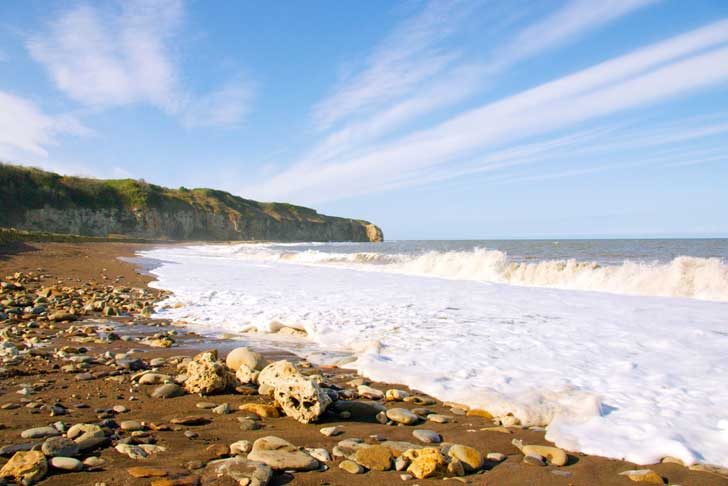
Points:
(433, 119)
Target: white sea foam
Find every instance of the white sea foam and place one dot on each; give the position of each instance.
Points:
(622, 376)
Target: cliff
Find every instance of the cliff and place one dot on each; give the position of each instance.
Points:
(35, 200)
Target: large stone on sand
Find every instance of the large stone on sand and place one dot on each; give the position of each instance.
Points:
(375, 457)
(300, 397)
(235, 471)
(245, 357)
(26, 467)
(206, 374)
(471, 458)
(281, 455)
(425, 462)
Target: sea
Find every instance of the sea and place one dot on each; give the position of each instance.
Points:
(618, 347)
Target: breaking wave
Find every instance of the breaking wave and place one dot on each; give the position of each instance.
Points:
(684, 276)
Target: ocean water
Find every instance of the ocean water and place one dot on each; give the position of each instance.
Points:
(619, 347)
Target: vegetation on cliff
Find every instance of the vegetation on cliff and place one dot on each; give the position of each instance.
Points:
(28, 191)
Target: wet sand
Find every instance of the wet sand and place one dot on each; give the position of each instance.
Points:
(78, 263)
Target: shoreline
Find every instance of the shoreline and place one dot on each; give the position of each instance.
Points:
(77, 263)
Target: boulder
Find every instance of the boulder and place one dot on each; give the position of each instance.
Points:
(245, 357)
(206, 374)
(25, 467)
(281, 455)
(425, 462)
(235, 471)
(300, 397)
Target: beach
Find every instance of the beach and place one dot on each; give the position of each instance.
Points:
(102, 391)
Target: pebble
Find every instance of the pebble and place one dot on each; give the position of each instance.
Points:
(131, 425)
(247, 424)
(119, 409)
(281, 455)
(534, 460)
(331, 431)
(240, 447)
(66, 463)
(351, 467)
(320, 454)
(93, 462)
(439, 419)
(395, 395)
(190, 420)
(496, 456)
(427, 436)
(369, 393)
(647, 476)
(470, 457)
(59, 446)
(39, 433)
(375, 457)
(402, 416)
(205, 405)
(222, 409)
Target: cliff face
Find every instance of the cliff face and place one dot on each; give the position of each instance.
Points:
(35, 200)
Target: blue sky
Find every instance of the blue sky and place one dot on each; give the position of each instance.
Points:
(472, 119)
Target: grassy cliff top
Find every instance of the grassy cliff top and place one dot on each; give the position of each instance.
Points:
(26, 188)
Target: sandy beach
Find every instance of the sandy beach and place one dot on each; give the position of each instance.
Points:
(84, 369)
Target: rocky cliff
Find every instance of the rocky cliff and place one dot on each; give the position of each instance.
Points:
(36, 200)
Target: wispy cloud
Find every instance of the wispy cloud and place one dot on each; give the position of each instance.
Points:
(678, 66)
(25, 129)
(123, 54)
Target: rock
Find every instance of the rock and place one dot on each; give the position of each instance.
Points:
(300, 397)
(647, 476)
(456, 468)
(425, 462)
(240, 447)
(153, 379)
(261, 410)
(11, 449)
(218, 451)
(147, 472)
(61, 316)
(351, 467)
(245, 357)
(534, 460)
(245, 375)
(331, 431)
(59, 446)
(471, 458)
(206, 374)
(170, 390)
(66, 463)
(319, 453)
(87, 436)
(710, 468)
(281, 455)
(369, 393)
(555, 456)
(206, 405)
(93, 462)
(39, 433)
(496, 456)
(133, 451)
(476, 412)
(375, 457)
(402, 416)
(439, 419)
(190, 420)
(394, 395)
(119, 409)
(427, 436)
(358, 410)
(26, 467)
(158, 342)
(401, 463)
(236, 471)
(222, 409)
(398, 447)
(131, 425)
(248, 424)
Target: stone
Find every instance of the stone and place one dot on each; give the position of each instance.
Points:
(281, 455)
(147, 472)
(245, 357)
(261, 410)
(369, 393)
(119, 409)
(236, 471)
(190, 420)
(300, 397)
(240, 447)
(206, 405)
(476, 412)
(61, 316)
(471, 458)
(401, 463)
(402, 416)
(425, 462)
(245, 375)
(222, 409)
(456, 467)
(427, 436)
(394, 395)
(39, 433)
(93, 462)
(26, 467)
(351, 467)
(218, 451)
(439, 419)
(647, 476)
(154, 379)
(66, 463)
(375, 457)
(534, 460)
(131, 425)
(169, 390)
(133, 451)
(207, 375)
(357, 409)
(554, 455)
(59, 446)
(319, 453)
(331, 431)
(496, 456)
(398, 447)
(249, 424)
(710, 468)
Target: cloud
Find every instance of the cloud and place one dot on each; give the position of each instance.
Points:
(679, 66)
(25, 129)
(226, 106)
(124, 54)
